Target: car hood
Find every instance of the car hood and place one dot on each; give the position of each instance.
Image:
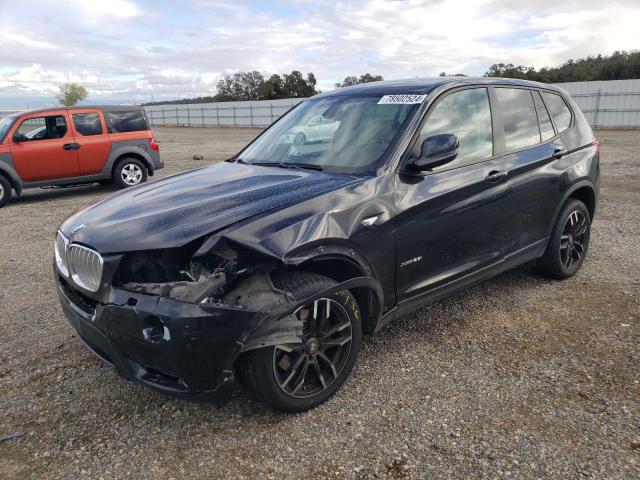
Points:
(176, 210)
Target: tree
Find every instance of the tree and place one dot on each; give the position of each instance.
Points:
(618, 66)
(273, 88)
(310, 88)
(240, 86)
(295, 85)
(353, 80)
(367, 77)
(253, 86)
(71, 93)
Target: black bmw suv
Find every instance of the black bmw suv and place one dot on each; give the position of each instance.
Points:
(272, 265)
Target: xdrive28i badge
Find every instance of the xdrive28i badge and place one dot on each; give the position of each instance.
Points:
(410, 261)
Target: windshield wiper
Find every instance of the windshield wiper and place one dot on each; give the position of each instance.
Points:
(308, 166)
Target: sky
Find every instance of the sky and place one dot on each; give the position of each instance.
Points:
(143, 50)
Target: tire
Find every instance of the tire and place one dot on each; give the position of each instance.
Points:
(5, 191)
(129, 172)
(569, 242)
(300, 139)
(270, 373)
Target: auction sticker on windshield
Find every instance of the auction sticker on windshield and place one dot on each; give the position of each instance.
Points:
(401, 99)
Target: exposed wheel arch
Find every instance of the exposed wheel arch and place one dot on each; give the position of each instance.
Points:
(340, 268)
(584, 191)
(15, 184)
(586, 195)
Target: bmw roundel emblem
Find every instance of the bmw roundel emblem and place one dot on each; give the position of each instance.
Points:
(77, 228)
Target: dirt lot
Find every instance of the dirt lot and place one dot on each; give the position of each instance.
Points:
(516, 377)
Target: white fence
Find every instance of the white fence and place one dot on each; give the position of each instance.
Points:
(608, 104)
(220, 114)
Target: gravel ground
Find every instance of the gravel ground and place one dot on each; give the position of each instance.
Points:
(516, 377)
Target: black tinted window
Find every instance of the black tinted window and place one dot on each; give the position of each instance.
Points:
(519, 117)
(126, 121)
(465, 114)
(559, 110)
(87, 123)
(546, 127)
(42, 128)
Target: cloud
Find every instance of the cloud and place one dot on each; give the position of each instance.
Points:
(136, 50)
(92, 12)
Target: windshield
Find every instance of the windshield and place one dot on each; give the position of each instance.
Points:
(338, 133)
(5, 125)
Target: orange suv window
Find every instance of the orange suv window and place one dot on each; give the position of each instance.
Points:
(87, 123)
(126, 121)
(42, 128)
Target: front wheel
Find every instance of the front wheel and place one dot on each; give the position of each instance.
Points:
(5, 191)
(297, 377)
(569, 242)
(129, 172)
(300, 139)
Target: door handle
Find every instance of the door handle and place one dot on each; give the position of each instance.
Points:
(559, 153)
(495, 176)
(71, 146)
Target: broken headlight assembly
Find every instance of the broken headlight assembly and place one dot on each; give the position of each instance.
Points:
(176, 274)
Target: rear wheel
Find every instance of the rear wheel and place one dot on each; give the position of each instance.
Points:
(129, 172)
(5, 191)
(569, 242)
(297, 377)
(300, 139)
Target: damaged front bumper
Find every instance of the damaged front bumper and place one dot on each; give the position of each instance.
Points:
(182, 349)
(179, 348)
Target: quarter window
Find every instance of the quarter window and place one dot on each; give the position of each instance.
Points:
(519, 117)
(126, 121)
(42, 128)
(467, 115)
(546, 127)
(87, 123)
(559, 110)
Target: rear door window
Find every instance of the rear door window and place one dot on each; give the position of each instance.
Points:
(519, 117)
(87, 123)
(559, 110)
(42, 128)
(126, 121)
(546, 127)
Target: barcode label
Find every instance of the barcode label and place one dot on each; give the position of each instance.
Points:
(401, 99)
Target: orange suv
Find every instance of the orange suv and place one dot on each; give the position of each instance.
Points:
(71, 146)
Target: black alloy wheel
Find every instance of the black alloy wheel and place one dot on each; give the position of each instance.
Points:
(569, 242)
(306, 369)
(298, 377)
(572, 240)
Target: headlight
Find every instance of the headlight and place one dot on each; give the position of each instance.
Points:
(60, 248)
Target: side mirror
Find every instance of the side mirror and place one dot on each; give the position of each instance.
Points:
(20, 137)
(437, 150)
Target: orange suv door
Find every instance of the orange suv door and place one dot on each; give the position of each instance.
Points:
(91, 135)
(43, 147)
